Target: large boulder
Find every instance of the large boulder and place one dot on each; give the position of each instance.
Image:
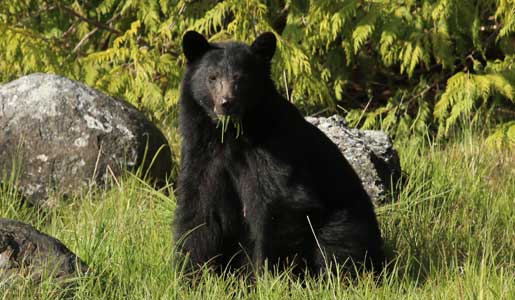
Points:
(62, 136)
(370, 153)
(24, 251)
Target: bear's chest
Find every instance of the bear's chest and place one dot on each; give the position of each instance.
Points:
(265, 183)
(257, 171)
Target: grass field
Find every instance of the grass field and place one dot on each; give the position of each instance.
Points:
(451, 235)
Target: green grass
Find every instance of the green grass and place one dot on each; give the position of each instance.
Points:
(451, 235)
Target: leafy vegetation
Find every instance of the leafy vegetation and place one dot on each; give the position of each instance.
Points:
(403, 66)
(428, 68)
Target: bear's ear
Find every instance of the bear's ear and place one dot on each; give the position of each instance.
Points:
(264, 45)
(194, 45)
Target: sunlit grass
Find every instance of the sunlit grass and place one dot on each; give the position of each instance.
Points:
(450, 235)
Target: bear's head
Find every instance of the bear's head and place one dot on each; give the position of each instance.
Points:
(228, 78)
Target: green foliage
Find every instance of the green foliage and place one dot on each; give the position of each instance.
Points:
(403, 66)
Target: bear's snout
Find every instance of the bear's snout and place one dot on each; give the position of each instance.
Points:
(227, 103)
(225, 99)
(226, 107)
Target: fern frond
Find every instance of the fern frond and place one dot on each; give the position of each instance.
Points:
(503, 135)
(365, 28)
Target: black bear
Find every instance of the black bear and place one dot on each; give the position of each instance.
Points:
(274, 188)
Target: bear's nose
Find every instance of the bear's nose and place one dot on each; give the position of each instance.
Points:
(227, 102)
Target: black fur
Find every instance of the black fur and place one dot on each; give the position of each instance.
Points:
(252, 198)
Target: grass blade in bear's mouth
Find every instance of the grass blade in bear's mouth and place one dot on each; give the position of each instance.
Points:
(223, 122)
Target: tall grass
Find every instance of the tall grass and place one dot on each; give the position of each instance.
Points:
(450, 235)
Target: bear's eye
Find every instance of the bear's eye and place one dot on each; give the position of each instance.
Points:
(236, 76)
(212, 77)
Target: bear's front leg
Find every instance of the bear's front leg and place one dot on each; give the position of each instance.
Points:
(254, 213)
(208, 215)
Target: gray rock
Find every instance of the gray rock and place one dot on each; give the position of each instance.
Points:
(370, 153)
(24, 251)
(63, 136)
